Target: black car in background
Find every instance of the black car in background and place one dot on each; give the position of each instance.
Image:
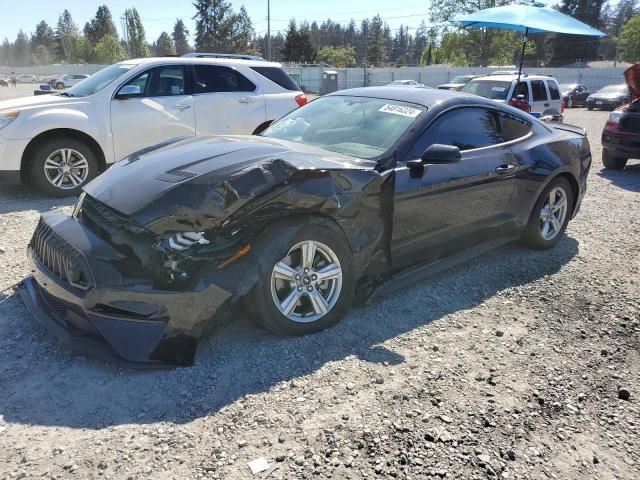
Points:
(458, 82)
(621, 134)
(574, 94)
(609, 97)
(356, 192)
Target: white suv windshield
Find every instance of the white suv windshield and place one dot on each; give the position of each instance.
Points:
(493, 89)
(99, 81)
(360, 127)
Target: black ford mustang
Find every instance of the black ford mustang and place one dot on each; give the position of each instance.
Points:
(354, 192)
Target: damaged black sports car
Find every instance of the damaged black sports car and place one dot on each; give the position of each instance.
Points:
(356, 191)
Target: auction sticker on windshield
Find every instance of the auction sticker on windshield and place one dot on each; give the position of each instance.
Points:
(400, 110)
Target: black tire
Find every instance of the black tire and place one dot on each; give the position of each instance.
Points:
(39, 154)
(612, 162)
(569, 103)
(59, 86)
(272, 247)
(532, 235)
(589, 107)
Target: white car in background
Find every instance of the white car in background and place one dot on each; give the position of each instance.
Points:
(27, 79)
(541, 91)
(60, 142)
(68, 80)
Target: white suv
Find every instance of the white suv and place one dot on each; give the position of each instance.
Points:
(60, 142)
(541, 91)
(68, 80)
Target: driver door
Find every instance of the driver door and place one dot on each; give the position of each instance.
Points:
(163, 109)
(453, 206)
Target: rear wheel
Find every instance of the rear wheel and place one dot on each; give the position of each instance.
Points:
(306, 283)
(550, 215)
(62, 166)
(612, 162)
(569, 102)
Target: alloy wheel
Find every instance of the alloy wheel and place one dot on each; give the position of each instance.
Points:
(306, 284)
(553, 213)
(66, 168)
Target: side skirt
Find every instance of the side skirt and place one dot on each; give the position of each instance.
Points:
(409, 276)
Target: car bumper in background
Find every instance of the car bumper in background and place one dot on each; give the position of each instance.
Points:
(78, 295)
(627, 146)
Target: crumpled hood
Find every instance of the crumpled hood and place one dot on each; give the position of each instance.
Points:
(182, 178)
(632, 77)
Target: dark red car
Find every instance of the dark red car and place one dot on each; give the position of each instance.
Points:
(621, 134)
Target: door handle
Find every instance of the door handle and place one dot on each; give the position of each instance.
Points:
(182, 107)
(546, 104)
(247, 100)
(506, 168)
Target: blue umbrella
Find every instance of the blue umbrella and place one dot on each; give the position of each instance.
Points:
(529, 18)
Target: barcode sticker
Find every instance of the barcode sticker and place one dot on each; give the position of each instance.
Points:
(400, 110)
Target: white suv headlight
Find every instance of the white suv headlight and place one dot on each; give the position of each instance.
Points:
(8, 116)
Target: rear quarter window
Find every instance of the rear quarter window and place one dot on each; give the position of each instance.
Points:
(553, 90)
(277, 76)
(538, 91)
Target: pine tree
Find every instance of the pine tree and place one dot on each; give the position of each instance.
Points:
(22, 50)
(180, 37)
(569, 48)
(214, 26)
(100, 26)
(138, 47)
(242, 35)
(66, 33)
(376, 43)
(164, 46)
(42, 43)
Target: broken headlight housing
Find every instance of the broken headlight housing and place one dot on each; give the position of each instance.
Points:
(179, 242)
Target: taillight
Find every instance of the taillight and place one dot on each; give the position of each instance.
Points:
(301, 99)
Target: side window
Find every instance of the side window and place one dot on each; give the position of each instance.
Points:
(538, 91)
(215, 78)
(161, 81)
(553, 90)
(465, 128)
(522, 89)
(513, 127)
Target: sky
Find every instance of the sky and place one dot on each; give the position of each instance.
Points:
(160, 15)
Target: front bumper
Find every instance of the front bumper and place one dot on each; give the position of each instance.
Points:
(626, 146)
(79, 296)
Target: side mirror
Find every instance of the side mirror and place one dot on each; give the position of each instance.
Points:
(436, 154)
(262, 127)
(128, 91)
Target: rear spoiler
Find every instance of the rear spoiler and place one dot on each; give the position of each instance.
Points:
(567, 128)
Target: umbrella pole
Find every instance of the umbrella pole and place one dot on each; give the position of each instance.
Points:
(524, 46)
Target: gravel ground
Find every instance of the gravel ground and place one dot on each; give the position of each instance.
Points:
(518, 365)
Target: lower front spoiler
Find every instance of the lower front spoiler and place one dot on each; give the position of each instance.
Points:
(76, 341)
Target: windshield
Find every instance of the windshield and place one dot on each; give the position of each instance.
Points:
(99, 81)
(613, 89)
(356, 126)
(493, 89)
(461, 79)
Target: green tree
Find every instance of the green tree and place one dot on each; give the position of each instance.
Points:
(297, 45)
(376, 48)
(569, 48)
(630, 41)
(164, 45)
(138, 47)
(214, 26)
(340, 56)
(100, 26)
(6, 53)
(22, 50)
(242, 34)
(42, 43)
(66, 33)
(181, 37)
(109, 50)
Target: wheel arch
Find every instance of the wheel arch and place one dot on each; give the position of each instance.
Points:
(573, 182)
(61, 132)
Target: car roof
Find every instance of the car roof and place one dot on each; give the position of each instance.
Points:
(424, 96)
(203, 61)
(510, 78)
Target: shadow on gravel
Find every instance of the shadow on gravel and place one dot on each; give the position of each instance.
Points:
(43, 386)
(20, 198)
(629, 178)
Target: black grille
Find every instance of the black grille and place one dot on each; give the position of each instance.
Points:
(630, 123)
(106, 217)
(60, 259)
(59, 309)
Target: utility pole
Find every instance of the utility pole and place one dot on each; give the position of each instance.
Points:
(269, 30)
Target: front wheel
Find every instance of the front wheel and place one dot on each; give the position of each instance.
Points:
(569, 103)
(62, 166)
(306, 283)
(589, 107)
(550, 215)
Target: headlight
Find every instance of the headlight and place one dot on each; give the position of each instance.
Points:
(78, 207)
(8, 116)
(615, 117)
(184, 240)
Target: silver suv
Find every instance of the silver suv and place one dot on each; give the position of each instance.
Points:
(541, 91)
